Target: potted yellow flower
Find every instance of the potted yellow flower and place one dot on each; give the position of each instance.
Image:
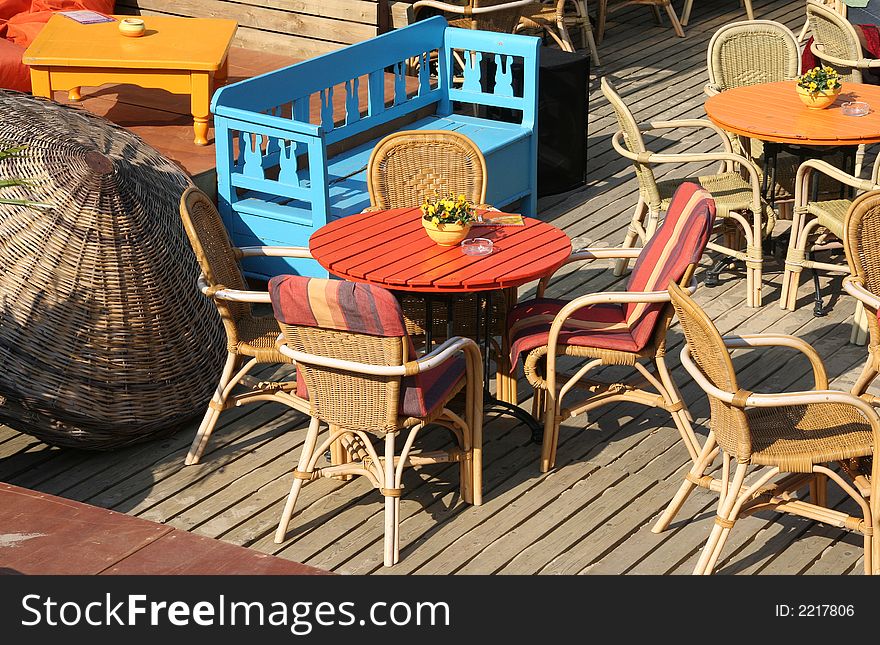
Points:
(819, 87)
(448, 220)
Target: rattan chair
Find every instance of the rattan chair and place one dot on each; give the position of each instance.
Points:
(836, 42)
(752, 52)
(838, 6)
(784, 439)
(736, 198)
(626, 328)
(689, 5)
(818, 224)
(655, 5)
(404, 169)
(555, 17)
(861, 243)
(250, 338)
(358, 373)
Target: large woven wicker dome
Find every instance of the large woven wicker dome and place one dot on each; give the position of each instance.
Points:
(104, 340)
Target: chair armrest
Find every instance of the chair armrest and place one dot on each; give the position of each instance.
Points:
(782, 399)
(587, 255)
(275, 251)
(460, 9)
(688, 123)
(425, 363)
(232, 295)
(783, 340)
(854, 287)
(862, 63)
(710, 89)
(254, 297)
(730, 157)
(808, 167)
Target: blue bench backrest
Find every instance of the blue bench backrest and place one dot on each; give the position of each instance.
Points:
(272, 130)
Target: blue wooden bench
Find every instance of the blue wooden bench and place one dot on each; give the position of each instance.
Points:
(284, 168)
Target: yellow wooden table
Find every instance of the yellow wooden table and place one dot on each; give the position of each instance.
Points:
(180, 55)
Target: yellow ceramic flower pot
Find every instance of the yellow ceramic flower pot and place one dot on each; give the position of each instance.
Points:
(818, 100)
(446, 234)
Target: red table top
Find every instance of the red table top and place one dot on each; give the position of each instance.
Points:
(391, 249)
(775, 112)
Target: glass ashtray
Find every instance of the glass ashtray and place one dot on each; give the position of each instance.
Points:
(476, 246)
(855, 108)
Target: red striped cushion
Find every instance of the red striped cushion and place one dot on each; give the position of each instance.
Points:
(361, 309)
(678, 242)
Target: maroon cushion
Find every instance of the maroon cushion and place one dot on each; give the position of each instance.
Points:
(602, 326)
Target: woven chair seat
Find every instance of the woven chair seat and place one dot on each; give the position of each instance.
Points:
(795, 438)
(104, 339)
(257, 336)
(831, 214)
(729, 190)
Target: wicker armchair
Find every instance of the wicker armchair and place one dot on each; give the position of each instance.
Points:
(359, 374)
(818, 223)
(689, 5)
(791, 435)
(751, 52)
(250, 339)
(554, 17)
(861, 241)
(655, 5)
(614, 328)
(736, 198)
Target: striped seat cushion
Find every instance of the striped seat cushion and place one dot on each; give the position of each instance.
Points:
(362, 309)
(678, 242)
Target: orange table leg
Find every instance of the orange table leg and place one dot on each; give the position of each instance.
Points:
(73, 94)
(199, 105)
(41, 83)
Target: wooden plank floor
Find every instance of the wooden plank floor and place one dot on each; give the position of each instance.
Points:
(616, 471)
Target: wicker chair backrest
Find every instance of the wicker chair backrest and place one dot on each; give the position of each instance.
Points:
(835, 35)
(861, 237)
(348, 399)
(503, 20)
(751, 52)
(634, 142)
(214, 251)
(729, 423)
(406, 167)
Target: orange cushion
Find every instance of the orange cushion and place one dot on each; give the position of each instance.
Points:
(9, 8)
(14, 74)
(23, 27)
(20, 22)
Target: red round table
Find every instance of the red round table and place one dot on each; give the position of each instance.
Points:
(391, 249)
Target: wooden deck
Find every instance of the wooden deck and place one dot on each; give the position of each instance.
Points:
(615, 472)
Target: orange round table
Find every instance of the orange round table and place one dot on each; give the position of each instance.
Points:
(774, 112)
(391, 249)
